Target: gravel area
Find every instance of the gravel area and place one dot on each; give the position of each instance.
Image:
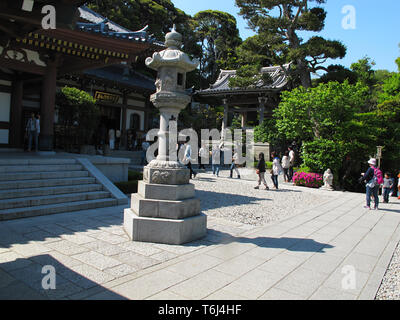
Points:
(237, 200)
(390, 286)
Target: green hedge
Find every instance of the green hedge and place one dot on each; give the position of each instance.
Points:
(130, 186)
(134, 175)
(268, 164)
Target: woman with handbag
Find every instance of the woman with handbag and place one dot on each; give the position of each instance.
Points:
(261, 172)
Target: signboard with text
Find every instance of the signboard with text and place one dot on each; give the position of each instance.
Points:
(106, 97)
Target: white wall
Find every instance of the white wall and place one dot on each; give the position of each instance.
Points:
(128, 118)
(5, 105)
(135, 103)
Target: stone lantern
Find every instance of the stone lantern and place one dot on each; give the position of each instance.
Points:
(165, 209)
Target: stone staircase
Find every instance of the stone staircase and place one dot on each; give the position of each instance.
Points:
(33, 187)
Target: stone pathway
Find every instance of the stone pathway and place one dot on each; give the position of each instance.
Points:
(336, 250)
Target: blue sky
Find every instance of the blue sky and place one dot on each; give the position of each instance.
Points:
(377, 32)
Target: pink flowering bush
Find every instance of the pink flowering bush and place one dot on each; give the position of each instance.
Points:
(310, 180)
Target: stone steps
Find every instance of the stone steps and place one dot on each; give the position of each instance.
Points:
(17, 213)
(26, 192)
(51, 199)
(21, 184)
(40, 168)
(33, 161)
(42, 175)
(33, 187)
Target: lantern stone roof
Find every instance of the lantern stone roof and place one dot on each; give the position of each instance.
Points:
(172, 56)
(277, 75)
(93, 22)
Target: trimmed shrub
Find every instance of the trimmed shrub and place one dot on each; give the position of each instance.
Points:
(304, 169)
(128, 187)
(134, 175)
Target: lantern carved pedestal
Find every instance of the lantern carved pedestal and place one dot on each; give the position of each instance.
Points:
(165, 209)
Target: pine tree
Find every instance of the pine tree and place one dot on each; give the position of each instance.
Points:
(218, 35)
(278, 23)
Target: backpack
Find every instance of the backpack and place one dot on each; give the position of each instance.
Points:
(378, 175)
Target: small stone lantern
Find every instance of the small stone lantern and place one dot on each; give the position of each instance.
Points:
(165, 209)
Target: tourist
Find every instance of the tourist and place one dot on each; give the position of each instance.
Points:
(187, 159)
(291, 159)
(387, 185)
(235, 161)
(117, 139)
(398, 186)
(134, 140)
(261, 172)
(372, 187)
(103, 134)
(215, 159)
(203, 155)
(286, 166)
(111, 138)
(276, 169)
(222, 154)
(32, 131)
(38, 127)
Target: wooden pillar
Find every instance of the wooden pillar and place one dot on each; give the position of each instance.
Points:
(124, 133)
(16, 132)
(262, 109)
(225, 120)
(244, 119)
(48, 100)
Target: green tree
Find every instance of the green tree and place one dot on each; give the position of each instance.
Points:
(328, 122)
(337, 73)
(159, 15)
(77, 108)
(218, 36)
(363, 69)
(278, 23)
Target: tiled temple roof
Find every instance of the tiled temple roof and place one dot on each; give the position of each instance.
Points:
(93, 22)
(116, 74)
(277, 75)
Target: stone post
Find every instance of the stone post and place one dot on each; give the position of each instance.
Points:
(165, 209)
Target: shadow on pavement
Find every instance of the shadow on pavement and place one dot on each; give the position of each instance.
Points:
(220, 200)
(23, 279)
(290, 244)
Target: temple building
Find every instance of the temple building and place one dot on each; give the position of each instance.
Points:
(254, 104)
(86, 51)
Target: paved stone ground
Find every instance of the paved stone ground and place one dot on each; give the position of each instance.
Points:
(310, 255)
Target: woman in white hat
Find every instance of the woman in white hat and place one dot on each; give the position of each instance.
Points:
(371, 184)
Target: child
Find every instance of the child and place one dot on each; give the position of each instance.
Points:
(387, 185)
